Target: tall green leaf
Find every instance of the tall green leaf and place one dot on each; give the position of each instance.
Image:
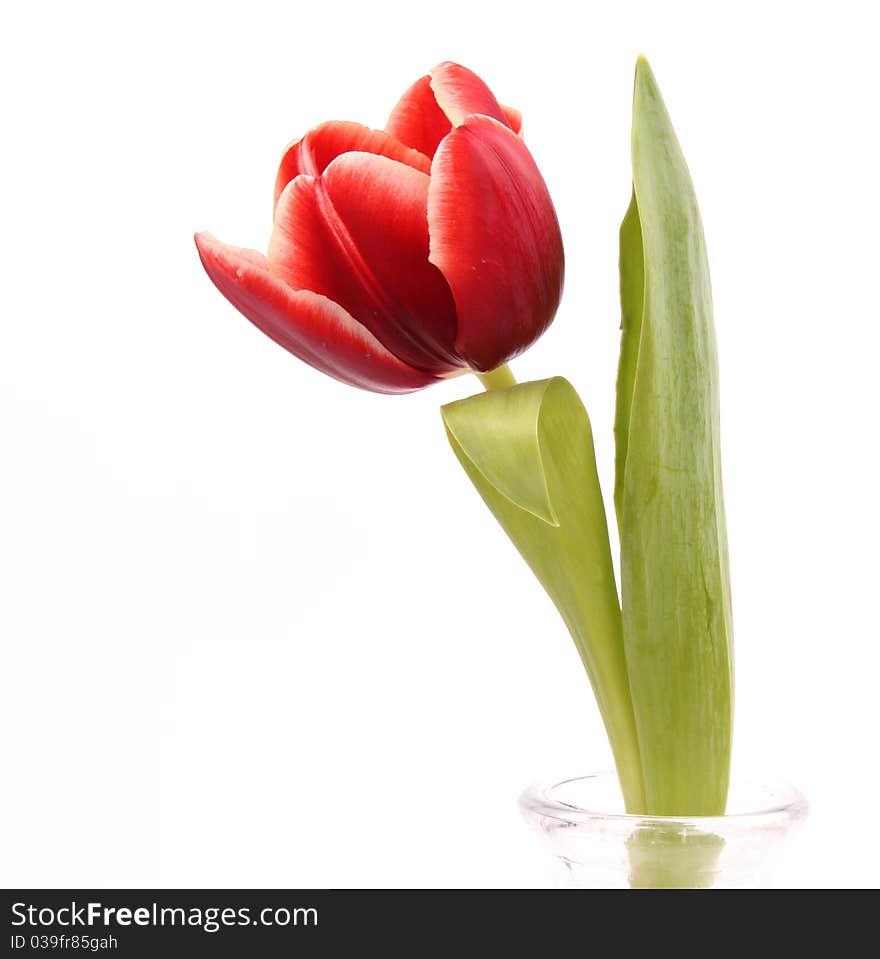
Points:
(529, 452)
(677, 626)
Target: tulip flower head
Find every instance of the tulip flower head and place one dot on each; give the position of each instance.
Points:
(404, 256)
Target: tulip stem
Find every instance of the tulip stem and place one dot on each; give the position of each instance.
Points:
(498, 379)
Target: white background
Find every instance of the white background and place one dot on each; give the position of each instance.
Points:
(257, 628)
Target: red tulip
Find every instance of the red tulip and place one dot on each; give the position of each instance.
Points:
(403, 256)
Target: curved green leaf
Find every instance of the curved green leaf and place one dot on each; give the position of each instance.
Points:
(509, 454)
(529, 452)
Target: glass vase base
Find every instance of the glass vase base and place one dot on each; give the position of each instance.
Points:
(596, 845)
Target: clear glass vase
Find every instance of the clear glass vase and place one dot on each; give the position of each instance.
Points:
(596, 845)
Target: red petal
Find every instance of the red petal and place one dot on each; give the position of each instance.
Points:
(311, 327)
(435, 103)
(314, 152)
(358, 234)
(513, 118)
(417, 121)
(460, 93)
(495, 236)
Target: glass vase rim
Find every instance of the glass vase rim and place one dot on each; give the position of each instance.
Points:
(537, 800)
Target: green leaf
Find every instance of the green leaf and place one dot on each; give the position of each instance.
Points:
(508, 455)
(529, 452)
(677, 625)
(632, 287)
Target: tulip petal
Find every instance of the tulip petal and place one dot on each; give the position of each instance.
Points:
(358, 234)
(417, 120)
(513, 117)
(460, 93)
(496, 239)
(314, 152)
(310, 326)
(434, 104)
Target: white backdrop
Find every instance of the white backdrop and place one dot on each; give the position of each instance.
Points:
(257, 628)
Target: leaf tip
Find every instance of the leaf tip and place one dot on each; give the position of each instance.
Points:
(645, 83)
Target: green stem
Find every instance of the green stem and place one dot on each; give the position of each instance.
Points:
(500, 378)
